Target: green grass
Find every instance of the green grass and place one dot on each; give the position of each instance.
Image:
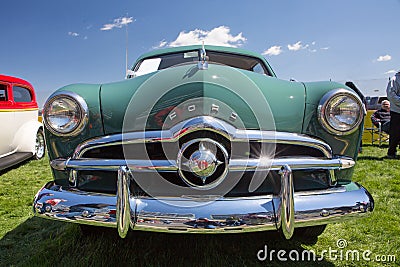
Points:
(29, 241)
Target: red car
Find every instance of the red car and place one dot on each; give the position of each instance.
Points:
(22, 134)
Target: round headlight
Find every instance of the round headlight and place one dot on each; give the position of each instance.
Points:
(340, 112)
(65, 113)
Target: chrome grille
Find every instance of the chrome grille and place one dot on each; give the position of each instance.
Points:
(249, 152)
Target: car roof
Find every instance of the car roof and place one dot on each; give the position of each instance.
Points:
(226, 49)
(11, 79)
(195, 47)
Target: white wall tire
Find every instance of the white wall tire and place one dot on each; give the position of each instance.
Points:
(40, 145)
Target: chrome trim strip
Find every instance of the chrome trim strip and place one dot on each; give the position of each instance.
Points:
(262, 164)
(59, 164)
(113, 165)
(189, 215)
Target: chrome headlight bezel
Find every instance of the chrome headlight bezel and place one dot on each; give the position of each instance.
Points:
(81, 108)
(323, 113)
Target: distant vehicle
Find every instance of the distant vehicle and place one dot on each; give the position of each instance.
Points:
(21, 134)
(374, 102)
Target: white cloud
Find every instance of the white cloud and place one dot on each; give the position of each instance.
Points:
(273, 51)
(117, 23)
(161, 44)
(217, 36)
(277, 50)
(73, 34)
(384, 58)
(325, 48)
(297, 46)
(312, 49)
(391, 72)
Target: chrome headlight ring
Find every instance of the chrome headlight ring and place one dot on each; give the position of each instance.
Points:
(340, 111)
(65, 113)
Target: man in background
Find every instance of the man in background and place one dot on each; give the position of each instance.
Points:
(393, 95)
(382, 116)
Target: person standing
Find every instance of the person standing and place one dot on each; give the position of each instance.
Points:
(393, 95)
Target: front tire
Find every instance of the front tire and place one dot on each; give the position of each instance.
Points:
(309, 233)
(40, 145)
(92, 230)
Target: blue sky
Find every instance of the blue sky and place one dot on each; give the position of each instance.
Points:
(54, 43)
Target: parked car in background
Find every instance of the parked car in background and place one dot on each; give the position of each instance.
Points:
(22, 135)
(204, 140)
(374, 102)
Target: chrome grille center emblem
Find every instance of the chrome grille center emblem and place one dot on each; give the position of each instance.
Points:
(202, 158)
(203, 162)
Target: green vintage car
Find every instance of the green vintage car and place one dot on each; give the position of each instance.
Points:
(204, 139)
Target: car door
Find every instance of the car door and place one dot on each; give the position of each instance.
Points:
(6, 117)
(25, 109)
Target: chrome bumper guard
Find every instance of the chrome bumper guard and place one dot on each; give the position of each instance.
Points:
(202, 214)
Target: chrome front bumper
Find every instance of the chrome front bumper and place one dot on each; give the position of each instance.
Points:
(204, 214)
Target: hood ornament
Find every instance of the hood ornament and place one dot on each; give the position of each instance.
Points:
(203, 64)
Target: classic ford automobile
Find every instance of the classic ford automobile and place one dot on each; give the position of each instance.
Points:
(22, 134)
(203, 140)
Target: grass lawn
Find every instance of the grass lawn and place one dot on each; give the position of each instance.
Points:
(29, 241)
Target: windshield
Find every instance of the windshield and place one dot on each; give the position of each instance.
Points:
(243, 62)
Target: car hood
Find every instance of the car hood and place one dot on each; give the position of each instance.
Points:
(162, 99)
